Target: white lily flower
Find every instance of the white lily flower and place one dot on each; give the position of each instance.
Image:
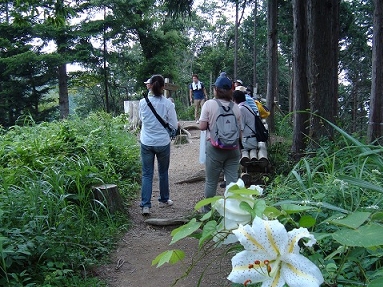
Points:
(272, 256)
(232, 215)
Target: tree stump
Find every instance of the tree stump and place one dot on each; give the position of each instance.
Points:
(131, 108)
(108, 195)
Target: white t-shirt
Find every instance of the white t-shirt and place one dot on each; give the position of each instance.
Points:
(153, 133)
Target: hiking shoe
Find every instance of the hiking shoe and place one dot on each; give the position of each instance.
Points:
(145, 210)
(165, 204)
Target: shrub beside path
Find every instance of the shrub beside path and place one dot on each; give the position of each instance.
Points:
(131, 262)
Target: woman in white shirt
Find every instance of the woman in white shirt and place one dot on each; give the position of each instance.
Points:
(155, 142)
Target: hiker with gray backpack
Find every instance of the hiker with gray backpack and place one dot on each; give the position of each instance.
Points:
(221, 118)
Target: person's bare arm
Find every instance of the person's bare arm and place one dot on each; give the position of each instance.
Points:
(191, 96)
(205, 93)
(203, 125)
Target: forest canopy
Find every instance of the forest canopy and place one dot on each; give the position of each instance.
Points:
(116, 45)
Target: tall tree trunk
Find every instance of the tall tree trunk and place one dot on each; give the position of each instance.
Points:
(105, 65)
(236, 40)
(323, 23)
(63, 92)
(375, 126)
(300, 99)
(62, 48)
(255, 90)
(272, 83)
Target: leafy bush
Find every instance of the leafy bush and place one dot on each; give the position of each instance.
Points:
(51, 228)
(184, 113)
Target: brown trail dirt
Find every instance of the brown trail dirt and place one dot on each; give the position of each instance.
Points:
(131, 262)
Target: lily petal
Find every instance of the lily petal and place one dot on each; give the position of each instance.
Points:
(295, 235)
(241, 271)
(256, 187)
(266, 236)
(299, 271)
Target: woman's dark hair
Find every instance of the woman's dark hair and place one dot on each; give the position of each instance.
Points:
(239, 96)
(158, 83)
(223, 94)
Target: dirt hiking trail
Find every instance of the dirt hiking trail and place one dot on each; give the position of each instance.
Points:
(131, 262)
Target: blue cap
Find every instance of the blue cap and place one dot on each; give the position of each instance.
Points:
(223, 82)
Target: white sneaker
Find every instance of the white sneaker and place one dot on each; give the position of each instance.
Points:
(145, 210)
(197, 122)
(165, 204)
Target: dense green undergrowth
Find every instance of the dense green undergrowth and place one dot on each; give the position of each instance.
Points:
(52, 230)
(336, 192)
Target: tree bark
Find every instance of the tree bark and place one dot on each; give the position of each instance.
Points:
(63, 92)
(300, 98)
(255, 12)
(323, 24)
(374, 132)
(272, 83)
(236, 41)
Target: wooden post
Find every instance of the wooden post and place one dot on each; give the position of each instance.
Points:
(108, 195)
(166, 92)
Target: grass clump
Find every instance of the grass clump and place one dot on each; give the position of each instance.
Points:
(337, 193)
(51, 230)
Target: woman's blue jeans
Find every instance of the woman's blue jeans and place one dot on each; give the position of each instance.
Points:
(148, 153)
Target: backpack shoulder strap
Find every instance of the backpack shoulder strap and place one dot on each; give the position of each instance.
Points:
(249, 110)
(226, 109)
(253, 115)
(218, 102)
(149, 103)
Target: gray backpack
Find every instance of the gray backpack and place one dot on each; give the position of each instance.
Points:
(225, 133)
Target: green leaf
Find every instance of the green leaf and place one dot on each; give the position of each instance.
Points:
(271, 212)
(208, 230)
(307, 221)
(378, 282)
(206, 216)
(206, 201)
(168, 256)
(234, 187)
(321, 236)
(185, 230)
(353, 220)
(259, 207)
(245, 191)
(378, 216)
(361, 183)
(246, 207)
(294, 208)
(365, 236)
